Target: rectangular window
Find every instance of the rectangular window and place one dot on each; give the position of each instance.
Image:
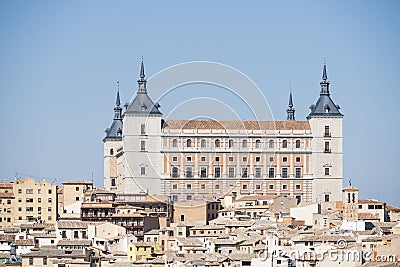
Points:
(244, 172)
(231, 172)
(29, 200)
(327, 132)
(284, 172)
(258, 172)
(271, 172)
(298, 187)
(203, 172)
(19, 191)
(142, 145)
(188, 158)
(76, 234)
(230, 159)
(174, 172)
(203, 186)
(217, 186)
(271, 159)
(39, 191)
(244, 187)
(217, 159)
(203, 159)
(49, 209)
(326, 171)
(49, 200)
(29, 191)
(284, 187)
(39, 200)
(244, 159)
(298, 159)
(174, 158)
(113, 183)
(189, 173)
(49, 191)
(258, 187)
(326, 198)
(217, 172)
(77, 188)
(142, 129)
(327, 148)
(298, 172)
(175, 187)
(44, 261)
(30, 261)
(284, 159)
(143, 170)
(188, 197)
(258, 159)
(76, 198)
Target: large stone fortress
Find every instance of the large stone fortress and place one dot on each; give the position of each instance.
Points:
(143, 153)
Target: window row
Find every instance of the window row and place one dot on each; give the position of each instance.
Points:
(232, 143)
(30, 191)
(244, 187)
(188, 172)
(231, 159)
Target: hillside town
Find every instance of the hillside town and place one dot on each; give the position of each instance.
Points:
(79, 225)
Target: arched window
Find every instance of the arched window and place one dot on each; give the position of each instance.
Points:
(284, 144)
(258, 143)
(244, 143)
(271, 144)
(217, 143)
(230, 143)
(297, 143)
(111, 151)
(203, 143)
(188, 143)
(174, 143)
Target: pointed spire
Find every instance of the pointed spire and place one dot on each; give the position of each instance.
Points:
(118, 102)
(290, 111)
(142, 81)
(117, 108)
(324, 83)
(142, 71)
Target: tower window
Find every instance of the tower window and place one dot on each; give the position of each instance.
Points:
(258, 172)
(244, 172)
(231, 172)
(284, 144)
(111, 151)
(142, 145)
(142, 129)
(327, 132)
(143, 170)
(326, 197)
(326, 171)
(327, 148)
(113, 182)
(174, 143)
(189, 173)
(188, 143)
(297, 143)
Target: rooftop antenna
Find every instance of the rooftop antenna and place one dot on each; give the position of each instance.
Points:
(350, 181)
(92, 179)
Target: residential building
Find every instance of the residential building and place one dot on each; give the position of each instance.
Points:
(7, 205)
(73, 194)
(35, 201)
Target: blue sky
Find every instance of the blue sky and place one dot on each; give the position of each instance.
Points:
(59, 61)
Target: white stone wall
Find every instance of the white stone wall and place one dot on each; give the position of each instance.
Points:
(327, 184)
(134, 158)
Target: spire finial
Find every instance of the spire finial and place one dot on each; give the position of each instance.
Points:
(290, 111)
(118, 101)
(324, 83)
(142, 71)
(142, 81)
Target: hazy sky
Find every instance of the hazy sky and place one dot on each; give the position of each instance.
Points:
(60, 60)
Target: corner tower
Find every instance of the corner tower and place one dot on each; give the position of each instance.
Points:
(141, 140)
(327, 152)
(112, 143)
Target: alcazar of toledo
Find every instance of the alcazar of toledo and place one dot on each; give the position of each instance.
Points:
(204, 159)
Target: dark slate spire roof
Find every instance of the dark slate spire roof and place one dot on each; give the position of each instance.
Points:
(142, 103)
(290, 111)
(325, 107)
(115, 130)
